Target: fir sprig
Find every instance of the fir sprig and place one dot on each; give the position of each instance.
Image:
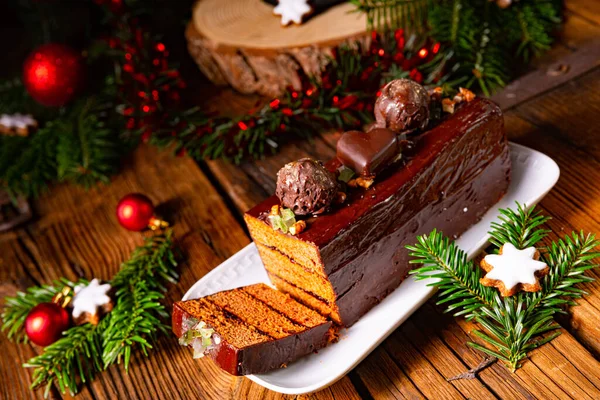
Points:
(520, 227)
(454, 275)
(512, 326)
(72, 356)
(136, 317)
(383, 14)
(135, 321)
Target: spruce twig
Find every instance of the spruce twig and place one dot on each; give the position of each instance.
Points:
(512, 326)
(136, 317)
(86, 349)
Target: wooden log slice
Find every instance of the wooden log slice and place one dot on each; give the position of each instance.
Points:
(242, 43)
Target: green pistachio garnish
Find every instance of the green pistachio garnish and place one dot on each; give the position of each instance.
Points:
(283, 221)
(198, 335)
(345, 174)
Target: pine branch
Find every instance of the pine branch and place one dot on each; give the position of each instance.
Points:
(139, 285)
(536, 21)
(455, 277)
(29, 171)
(513, 325)
(568, 260)
(16, 308)
(87, 150)
(383, 15)
(76, 354)
(519, 227)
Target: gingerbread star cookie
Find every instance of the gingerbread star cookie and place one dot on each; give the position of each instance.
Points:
(513, 270)
(90, 302)
(292, 11)
(17, 124)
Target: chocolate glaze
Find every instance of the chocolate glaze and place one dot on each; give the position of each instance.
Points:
(342, 233)
(368, 153)
(463, 160)
(370, 277)
(262, 357)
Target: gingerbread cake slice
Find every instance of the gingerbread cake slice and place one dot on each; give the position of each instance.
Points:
(343, 261)
(250, 330)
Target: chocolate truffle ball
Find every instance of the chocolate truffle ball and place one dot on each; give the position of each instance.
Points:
(403, 106)
(306, 187)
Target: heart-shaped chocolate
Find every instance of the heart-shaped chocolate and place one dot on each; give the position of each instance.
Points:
(368, 153)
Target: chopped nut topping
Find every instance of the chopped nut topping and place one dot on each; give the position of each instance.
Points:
(448, 105)
(297, 228)
(466, 94)
(274, 210)
(364, 183)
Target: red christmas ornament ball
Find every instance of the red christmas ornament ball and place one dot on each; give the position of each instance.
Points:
(45, 323)
(52, 74)
(135, 211)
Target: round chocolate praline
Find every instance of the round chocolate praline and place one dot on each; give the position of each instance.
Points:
(403, 106)
(306, 187)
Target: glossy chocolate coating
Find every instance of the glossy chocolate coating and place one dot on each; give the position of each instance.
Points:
(306, 187)
(368, 153)
(403, 106)
(262, 357)
(462, 163)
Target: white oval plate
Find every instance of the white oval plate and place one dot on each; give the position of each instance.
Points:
(533, 175)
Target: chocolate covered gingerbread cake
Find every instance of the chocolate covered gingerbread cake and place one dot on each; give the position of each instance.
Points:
(333, 237)
(338, 245)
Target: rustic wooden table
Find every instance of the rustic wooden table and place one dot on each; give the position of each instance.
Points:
(76, 234)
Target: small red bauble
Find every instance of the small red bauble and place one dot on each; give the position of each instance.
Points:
(45, 323)
(52, 74)
(135, 212)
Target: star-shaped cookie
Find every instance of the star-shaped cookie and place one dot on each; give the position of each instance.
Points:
(90, 301)
(292, 11)
(513, 270)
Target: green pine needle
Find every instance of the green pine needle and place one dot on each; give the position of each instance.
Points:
(135, 321)
(391, 14)
(513, 326)
(136, 317)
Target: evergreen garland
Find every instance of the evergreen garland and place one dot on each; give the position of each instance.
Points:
(512, 326)
(486, 43)
(135, 321)
(472, 43)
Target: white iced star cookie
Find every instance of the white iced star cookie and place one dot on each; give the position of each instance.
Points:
(513, 270)
(90, 301)
(19, 124)
(292, 11)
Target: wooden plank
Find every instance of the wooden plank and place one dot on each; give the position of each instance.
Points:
(384, 379)
(586, 8)
(540, 81)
